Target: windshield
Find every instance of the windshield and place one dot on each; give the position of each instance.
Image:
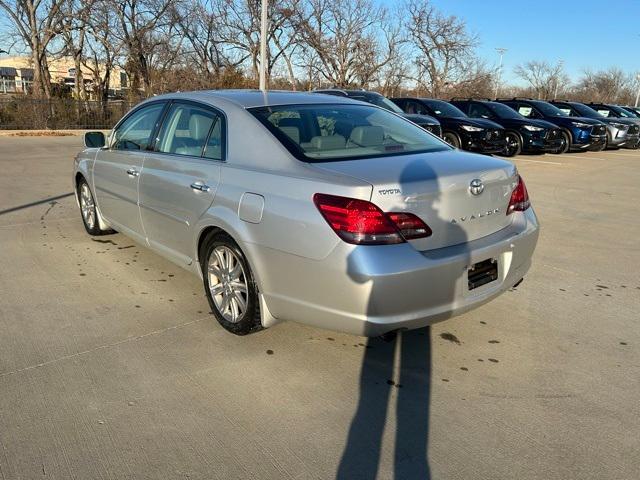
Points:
(502, 111)
(321, 133)
(383, 102)
(444, 109)
(586, 111)
(549, 110)
(622, 112)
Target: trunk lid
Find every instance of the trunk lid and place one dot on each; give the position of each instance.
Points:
(436, 188)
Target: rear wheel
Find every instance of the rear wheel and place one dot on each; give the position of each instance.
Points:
(229, 285)
(565, 143)
(514, 145)
(452, 139)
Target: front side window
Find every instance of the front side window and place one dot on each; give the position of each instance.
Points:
(134, 133)
(186, 129)
(320, 133)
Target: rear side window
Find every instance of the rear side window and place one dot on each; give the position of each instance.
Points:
(605, 112)
(134, 133)
(187, 129)
(320, 133)
(526, 111)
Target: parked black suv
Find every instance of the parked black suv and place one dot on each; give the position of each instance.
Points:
(577, 133)
(621, 132)
(473, 134)
(428, 123)
(522, 134)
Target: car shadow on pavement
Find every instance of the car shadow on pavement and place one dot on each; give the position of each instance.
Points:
(33, 204)
(400, 368)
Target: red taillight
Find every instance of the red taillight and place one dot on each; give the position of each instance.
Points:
(519, 198)
(409, 225)
(363, 223)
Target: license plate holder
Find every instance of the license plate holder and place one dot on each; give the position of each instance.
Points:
(482, 273)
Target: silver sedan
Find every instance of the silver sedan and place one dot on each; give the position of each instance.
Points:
(308, 207)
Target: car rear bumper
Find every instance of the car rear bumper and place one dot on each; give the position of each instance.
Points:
(371, 290)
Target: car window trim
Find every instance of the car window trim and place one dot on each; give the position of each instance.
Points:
(223, 131)
(133, 111)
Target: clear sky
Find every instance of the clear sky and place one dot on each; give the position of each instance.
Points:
(584, 33)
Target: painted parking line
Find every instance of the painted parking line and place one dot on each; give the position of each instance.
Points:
(534, 161)
(619, 154)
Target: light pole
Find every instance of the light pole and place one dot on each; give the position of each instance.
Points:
(263, 46)
(560, 64)
(501, 51)
(638, 95)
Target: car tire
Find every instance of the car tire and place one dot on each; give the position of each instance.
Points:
(229, 285)
(566, 144)
(514, 144)
(89, 211)
(452, 139)
(601, 147)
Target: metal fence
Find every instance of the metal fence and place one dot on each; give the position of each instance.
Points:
(26, 113)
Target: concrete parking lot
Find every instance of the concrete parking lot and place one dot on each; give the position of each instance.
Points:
(111, 366)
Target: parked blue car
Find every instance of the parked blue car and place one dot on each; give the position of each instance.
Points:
(578, 133)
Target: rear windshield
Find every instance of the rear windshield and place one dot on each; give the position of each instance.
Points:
(321, 133)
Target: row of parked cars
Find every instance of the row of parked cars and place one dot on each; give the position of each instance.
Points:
(510, 126)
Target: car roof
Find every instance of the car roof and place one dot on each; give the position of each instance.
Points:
(258, 98)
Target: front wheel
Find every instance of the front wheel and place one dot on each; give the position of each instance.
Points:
(229, 285)
(452, 139)
(565, 143)
(514, 145)
(88, 210)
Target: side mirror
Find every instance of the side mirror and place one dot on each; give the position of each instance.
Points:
(94, 140)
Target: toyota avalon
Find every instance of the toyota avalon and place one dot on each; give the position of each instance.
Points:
(310, 208)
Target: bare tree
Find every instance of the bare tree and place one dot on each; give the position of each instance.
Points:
(141, 25)
(611, 86)
(346, 42)
(102, 48)
(543, 77)
(202, 24)
(443, 47)
(75, 23)
(37, 22)
(241, 19)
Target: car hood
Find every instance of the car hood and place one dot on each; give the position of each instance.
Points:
(476, 122)
(421, 119)
(587, 120)
(519, 122)
(624, 121)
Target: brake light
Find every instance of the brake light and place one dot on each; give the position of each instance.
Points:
(362, 223)
(519, 201)
(410, 226)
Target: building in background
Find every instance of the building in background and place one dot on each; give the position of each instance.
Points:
(16, 77)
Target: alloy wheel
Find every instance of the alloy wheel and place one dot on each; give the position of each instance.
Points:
(228, 284)
(87, 206)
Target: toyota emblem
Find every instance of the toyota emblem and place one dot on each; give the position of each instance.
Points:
(476, 187)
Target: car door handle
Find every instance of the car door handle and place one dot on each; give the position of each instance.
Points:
(132, 172)
(201, 187)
